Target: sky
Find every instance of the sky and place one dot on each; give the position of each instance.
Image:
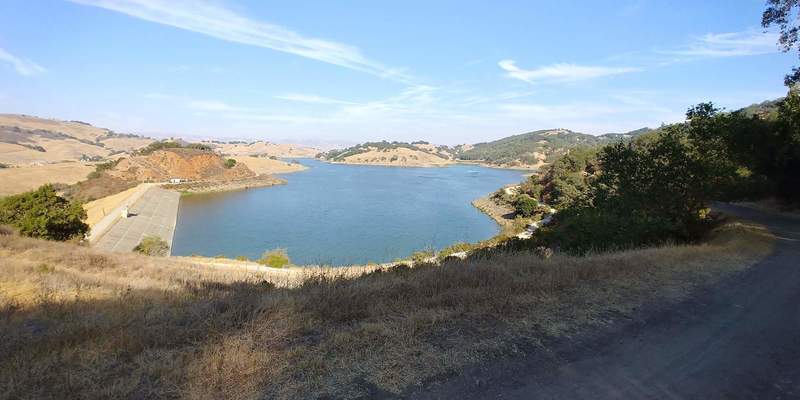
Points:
(445, 71)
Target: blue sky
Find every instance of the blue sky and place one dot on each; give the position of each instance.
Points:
(348, 71)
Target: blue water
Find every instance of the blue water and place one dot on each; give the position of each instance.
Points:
(338, 214)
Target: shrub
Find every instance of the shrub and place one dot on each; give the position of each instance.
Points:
(99, 168)
(526, 205)
(3, 165)
(152, 246)
(420, 257)
(43, 214)
(242, 258)
(455, 248)
(230, 163)
(277, 258)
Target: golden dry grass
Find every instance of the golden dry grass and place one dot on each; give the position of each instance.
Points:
(264, 165)
(79, 324)
(74, 129)
(96, 210)
(400, 156)
(22, 179)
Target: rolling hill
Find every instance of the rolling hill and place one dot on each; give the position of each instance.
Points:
(28, 140)
(263, 149)
(537, 148)
(393, 153)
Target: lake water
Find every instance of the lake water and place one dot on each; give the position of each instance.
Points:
(338, 214)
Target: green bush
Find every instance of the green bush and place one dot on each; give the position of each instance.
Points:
(242, 258)
(230, 163)
(420, 257)
(526, 205)
(43, 214)
(277, 258)
(455, 248)
(648, 193)
(152, 246)
(99, 168)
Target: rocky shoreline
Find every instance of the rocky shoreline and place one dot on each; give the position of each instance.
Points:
(503, 214)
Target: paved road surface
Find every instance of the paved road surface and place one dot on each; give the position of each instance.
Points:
(153, 214)
(737, 340)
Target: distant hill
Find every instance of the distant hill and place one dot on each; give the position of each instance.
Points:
(262, 148)
(392, 153)
(535, 149)
(766, 109)
(28, 140)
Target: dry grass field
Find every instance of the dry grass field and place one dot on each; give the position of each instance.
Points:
(262, 148)
(74, 129)
(401, 156)
(75, 323)
(22, 179)
(262, 165)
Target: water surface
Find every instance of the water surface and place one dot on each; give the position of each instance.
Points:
(343, 214)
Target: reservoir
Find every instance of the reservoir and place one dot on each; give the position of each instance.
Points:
(337, 214)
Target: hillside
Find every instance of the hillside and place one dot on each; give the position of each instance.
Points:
(28, 140)
(188, 164)
(535, 149)
(263, 149)
(414, 154)
(79, 323)
(199, 170)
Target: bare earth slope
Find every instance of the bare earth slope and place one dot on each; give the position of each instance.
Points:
(738, 339)
(195, 165)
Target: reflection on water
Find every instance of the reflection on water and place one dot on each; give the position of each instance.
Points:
(343, 214)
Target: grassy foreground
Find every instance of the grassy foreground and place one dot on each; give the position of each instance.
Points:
(77, 323)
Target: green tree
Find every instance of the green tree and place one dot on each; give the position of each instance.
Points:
(526, 205)
(43, 214)
(784, 14)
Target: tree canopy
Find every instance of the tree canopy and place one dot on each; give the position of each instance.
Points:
(43, 214)
(784, 14)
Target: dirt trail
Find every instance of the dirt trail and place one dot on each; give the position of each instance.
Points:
(739, 339)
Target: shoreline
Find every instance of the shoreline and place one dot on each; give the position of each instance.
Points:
(502, 215)
(530, 170)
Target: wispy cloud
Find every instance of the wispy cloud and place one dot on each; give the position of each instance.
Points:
(22, 66)
(195, 104)
(731, 44)
(561, 73)
(311, 99)
(214, 20)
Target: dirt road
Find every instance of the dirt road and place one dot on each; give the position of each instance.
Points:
(737, 340)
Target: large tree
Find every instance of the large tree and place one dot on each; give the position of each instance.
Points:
(786, 15)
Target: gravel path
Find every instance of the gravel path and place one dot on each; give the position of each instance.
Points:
(739, 339)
